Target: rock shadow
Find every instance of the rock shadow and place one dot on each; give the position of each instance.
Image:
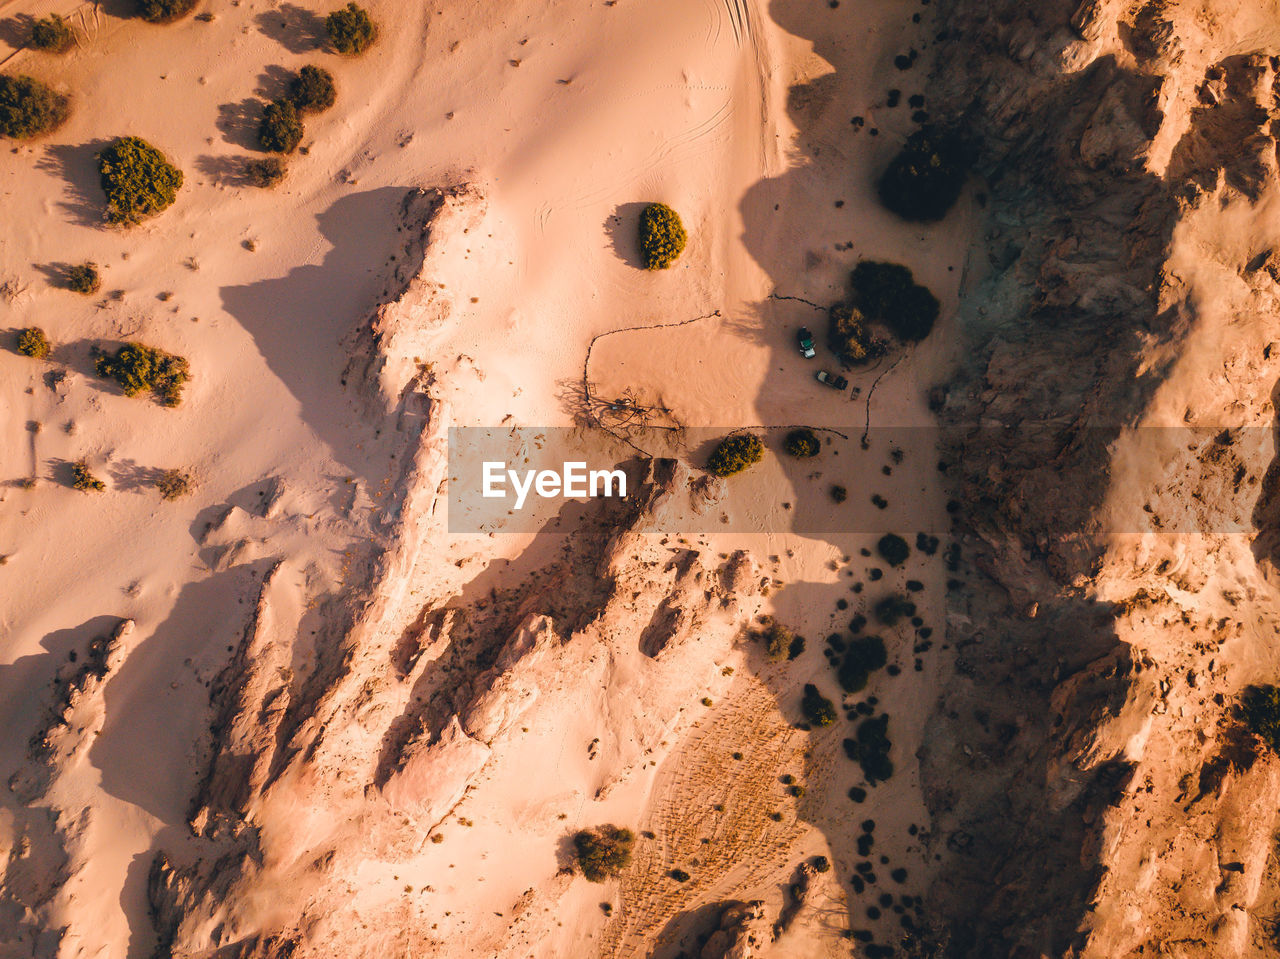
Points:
(301, 321)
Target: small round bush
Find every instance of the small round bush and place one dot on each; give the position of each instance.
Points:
(312, 90)
(848, 336)
(662, 236)
(679, 875)
(138, 179)
(84, 278)
(351, 29)
(28, 108)
(164, 11)
(281, 128)
(893, 548)
(924, 180)
(802, 444)
(603, 851)
(735, 453)
(33, 343)
(892, 609)
(777, 638)
(82, 478)
(839, 494)
(174, 484)
(265, 172)
(52, 34)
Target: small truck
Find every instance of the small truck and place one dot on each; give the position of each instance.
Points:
(833, 380)
(805, 339)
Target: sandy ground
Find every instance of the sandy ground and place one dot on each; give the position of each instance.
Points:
(567, 117)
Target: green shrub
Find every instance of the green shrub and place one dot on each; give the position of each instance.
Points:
(83, 479)
(52, 34)
(603, 851)
(848, 336)
(679, 875)
(863, 656)
(33, 343)
(138, 368)
(138, 179)
(893, 549)
(893, 609)
(351, 29)
(265, 172)
(1259, 710)
(888, 294)
(84, 278)
(777, 639)
(839, 494)
(821, 864)
(817, 709)
(924, 180)
(281, 128)
(28, 108)
(735, 453)
(312, 90)
(164, 11)
(174, 484)
(662, 236)
(802, 444)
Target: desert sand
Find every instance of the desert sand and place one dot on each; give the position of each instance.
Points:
(317, 707)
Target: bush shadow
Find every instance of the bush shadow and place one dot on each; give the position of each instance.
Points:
(238, 122)
(225, 170)
(295, 28)
(77, 165)
(623, 229)
(16, 30)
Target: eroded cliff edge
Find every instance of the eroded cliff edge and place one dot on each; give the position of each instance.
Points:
(1110, 440)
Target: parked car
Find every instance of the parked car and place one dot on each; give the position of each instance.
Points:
(806, 343)
(833, 380)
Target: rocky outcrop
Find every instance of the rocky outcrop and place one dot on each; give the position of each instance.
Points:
(743, 928)
(1094, 677)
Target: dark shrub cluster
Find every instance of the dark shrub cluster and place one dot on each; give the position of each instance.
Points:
(817, 709)
(864, 655)
(924, 180)
(312, 90)
(887, 293)
(870, 749)
(281, 127)
(52, 34)
(603, 851)
(662, 236)
(735, 454)
(82, 478)
(33, 343)
(893, 609)
(351, 30)
(893, 549)
(138, 179)
(84, 278)
(265, 172)
(28, 108)
(174, 484)
(164, 11)
(138, 368)
(802, 444)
